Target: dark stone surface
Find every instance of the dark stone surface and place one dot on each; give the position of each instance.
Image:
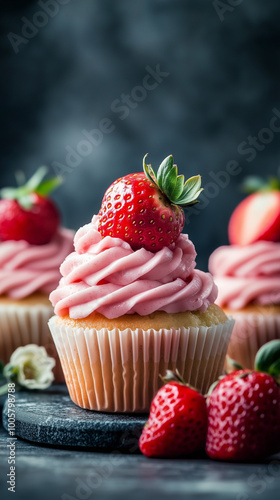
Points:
(50, 417)
(45, 473)
(80, 473)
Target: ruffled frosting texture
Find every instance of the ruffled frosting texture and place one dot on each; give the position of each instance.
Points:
(105, 275)
(247, 274)
(25, 268)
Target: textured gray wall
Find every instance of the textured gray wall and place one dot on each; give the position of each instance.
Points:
(221, 83)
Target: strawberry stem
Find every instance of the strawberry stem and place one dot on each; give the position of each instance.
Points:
(232, 365)
(254, 184)
(268, 359)
(171, 376)
(213, 386)
(172, 185)
(34, 185)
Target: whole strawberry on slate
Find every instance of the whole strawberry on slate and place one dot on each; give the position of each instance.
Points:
(26, 212)
(244, 410)
(146, 209)
(177, 422)
(257, 217)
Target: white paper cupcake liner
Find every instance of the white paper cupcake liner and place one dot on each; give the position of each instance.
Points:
(21, 325)
(250, 332)
(118, 371)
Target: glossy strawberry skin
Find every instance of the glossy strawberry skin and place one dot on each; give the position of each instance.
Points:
(244, 417)
(177, 422)
(256, 218)
(36, 225)
(136, 211)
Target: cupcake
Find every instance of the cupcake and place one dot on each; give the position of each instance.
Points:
(130, 303)
(32, 247)
(247, 273)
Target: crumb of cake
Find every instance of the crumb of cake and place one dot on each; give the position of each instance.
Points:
(157, 320)
(31, 300)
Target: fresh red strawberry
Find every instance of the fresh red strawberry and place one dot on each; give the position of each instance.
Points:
(177, 422)
(144, 209)
(257, 217)
(244, 410)
(27, 214)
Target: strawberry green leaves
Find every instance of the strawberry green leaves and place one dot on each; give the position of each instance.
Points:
(255, 184)
(34, 185)
(268, 359)
(173, 185)
(149, 171)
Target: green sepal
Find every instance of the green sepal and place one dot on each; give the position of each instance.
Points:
(175, 195)
(12, 193)
(169, 182)
(35, 185)
(213, 386)
(149, 171)
(268, 359)
(232, 365)
(36, 179)
(192, 189)
(25, 201)
(173, 185)
(163, 170)
(48, 186)
(171, 376)
(255, 184)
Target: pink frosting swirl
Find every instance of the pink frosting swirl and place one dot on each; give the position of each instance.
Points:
(25, 268)
(246, 274)
(107, 276)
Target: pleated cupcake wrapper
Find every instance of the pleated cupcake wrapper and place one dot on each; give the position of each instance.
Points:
(22, 325)
(250, 332)
(118, 371)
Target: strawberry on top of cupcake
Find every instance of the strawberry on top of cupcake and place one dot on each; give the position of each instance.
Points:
(32, 247)
(132, 257)
(32, 244)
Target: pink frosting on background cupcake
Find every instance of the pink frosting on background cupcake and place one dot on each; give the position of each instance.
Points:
(26, 268)
(247, 274)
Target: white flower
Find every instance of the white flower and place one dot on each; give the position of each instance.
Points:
(31, 367)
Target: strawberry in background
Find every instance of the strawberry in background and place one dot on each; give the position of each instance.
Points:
(32, 247)
(257, 217)
(26, 212)
(244, 410)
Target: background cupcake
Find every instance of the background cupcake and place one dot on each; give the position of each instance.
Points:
(32, 247)
(247, 272)
(131, 304)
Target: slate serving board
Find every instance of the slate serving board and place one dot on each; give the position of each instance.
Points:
(51, 418)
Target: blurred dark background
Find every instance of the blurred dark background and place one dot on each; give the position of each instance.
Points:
(70, 66)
